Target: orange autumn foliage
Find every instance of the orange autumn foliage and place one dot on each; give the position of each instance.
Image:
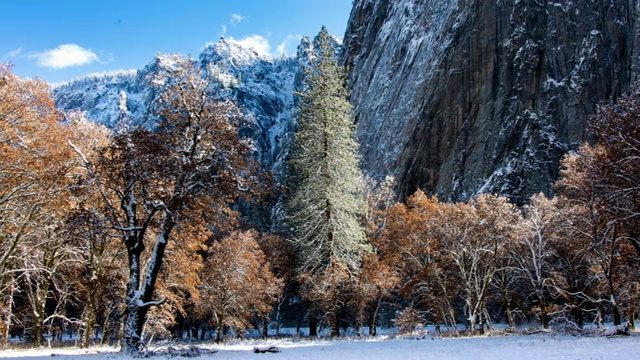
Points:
(237, 283)
(35, 162)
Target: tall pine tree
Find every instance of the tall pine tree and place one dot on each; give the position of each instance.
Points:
(326, 203)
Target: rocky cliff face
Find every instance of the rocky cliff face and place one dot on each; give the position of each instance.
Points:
(459, 97)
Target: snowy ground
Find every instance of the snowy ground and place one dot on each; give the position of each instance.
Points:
(564, 347)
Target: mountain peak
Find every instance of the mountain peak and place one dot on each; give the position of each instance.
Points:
(238, 54)
(261, 85)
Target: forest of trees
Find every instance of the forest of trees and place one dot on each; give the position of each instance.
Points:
(124, 235)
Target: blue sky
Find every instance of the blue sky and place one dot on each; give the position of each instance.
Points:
(60, 40)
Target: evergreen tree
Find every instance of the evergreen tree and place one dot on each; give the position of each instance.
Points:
(326, 203)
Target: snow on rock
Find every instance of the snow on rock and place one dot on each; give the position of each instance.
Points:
(262, 86)
(458, 97)
(99, 96)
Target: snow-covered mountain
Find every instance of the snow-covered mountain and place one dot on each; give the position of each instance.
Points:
(455, 97)
(262, 86)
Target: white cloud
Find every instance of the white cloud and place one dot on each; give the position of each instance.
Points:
(290, 40)
(236, 19)
(14, 53)
(65, 55)
(11, 54)
(256, 42)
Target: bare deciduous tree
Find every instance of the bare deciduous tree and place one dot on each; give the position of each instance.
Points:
(149, 183)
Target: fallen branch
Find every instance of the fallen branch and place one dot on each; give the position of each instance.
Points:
(270, 349)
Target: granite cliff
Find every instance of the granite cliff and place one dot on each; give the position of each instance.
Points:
(459, 97)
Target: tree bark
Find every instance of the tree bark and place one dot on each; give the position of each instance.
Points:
(544, 316)
(139, 298)
(373, 331)
(219, 330)
(373, 317)
(335, 324)
(132, 336)
(617, 318)
(313, 326)
(508, 313)
(579, 317)
(88, 321)
(37, 295)
(600, 317)
(265, 327)
(8, 315)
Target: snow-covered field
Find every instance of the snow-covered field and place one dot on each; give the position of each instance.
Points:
(564, 347)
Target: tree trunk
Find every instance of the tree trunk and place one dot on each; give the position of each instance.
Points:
(133, 323)
(471, 316)
(88, 321)
(111, 327)
(600, 314)
(508, 313)
(139, 298)
(37, 331)
(8, 314)
(579, 317)
(219, 331)
(373, 331)
(313, 326)
(278, 317)
(265, 327)
(106, 332)
(617, 318)
(452, 319)
(472, 324)
(335, 324)
(133, 327)
(373, 317)
(544, 317)
(544, 314)
(38, 312)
